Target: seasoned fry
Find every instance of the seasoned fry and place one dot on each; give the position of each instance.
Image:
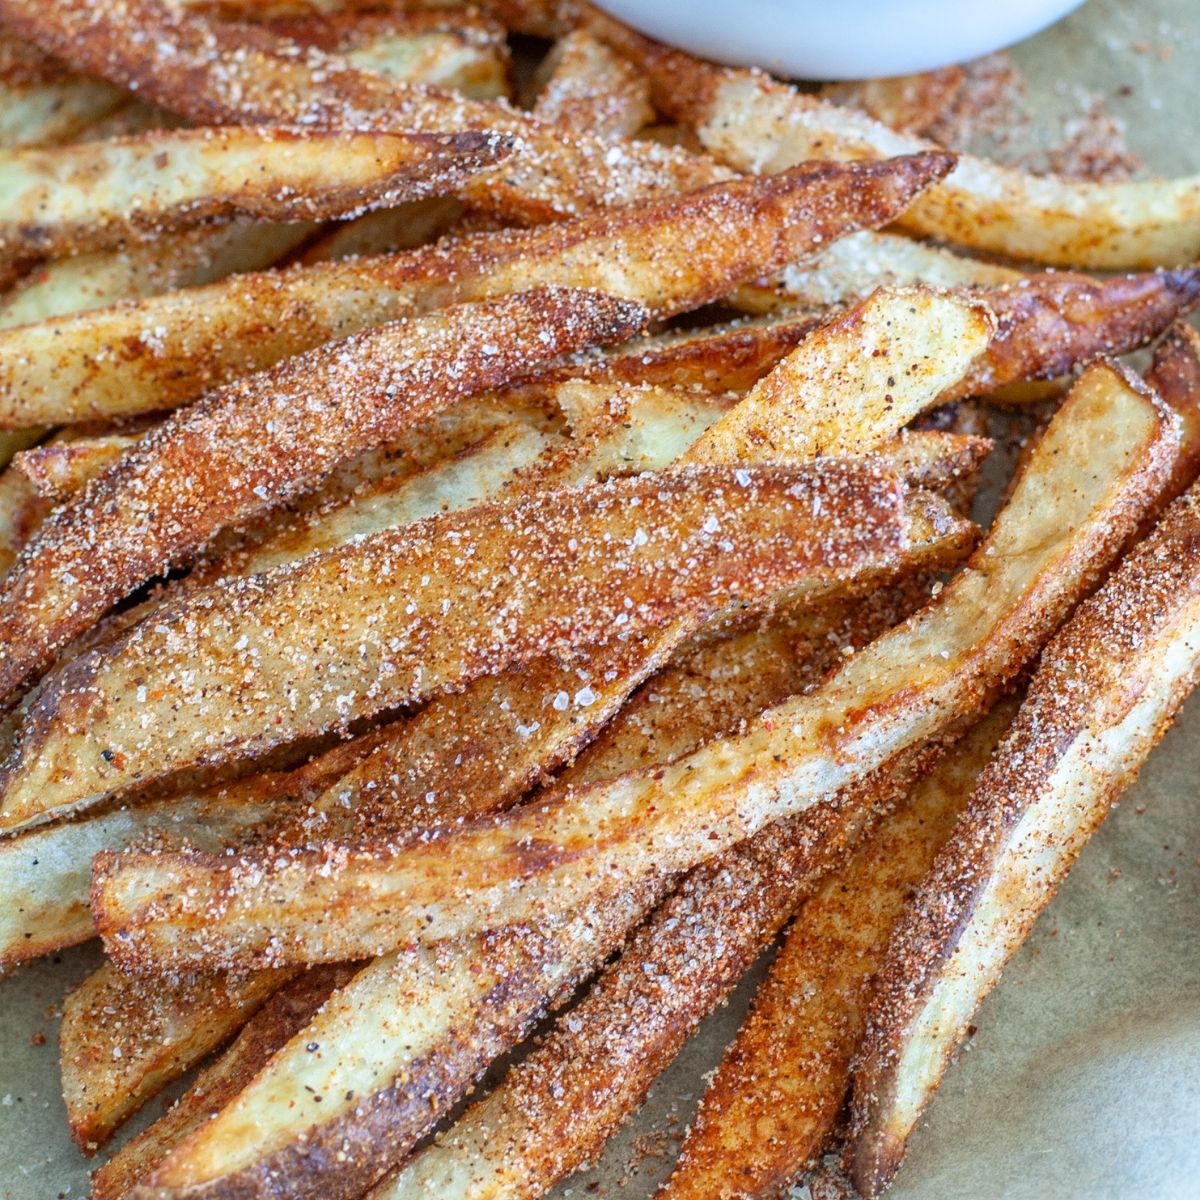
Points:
(220, 74)
(47, 872)
(272, 1026)
(1105, 691)
(1175, 375)
(462, 50)
(190, 478)
(42, 103)
(556, 1108)
(96, 194)
(102, 1088)
(399, 616)
(501, 733)
(671, 254)
(861, 262)
(395, 1048)
(755, 123)
(585, 88)
(61, 467)
(779, 1088)
(1102, 464)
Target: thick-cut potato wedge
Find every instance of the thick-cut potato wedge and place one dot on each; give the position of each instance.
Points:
(62, 467)
(461, 50)
(543, 711)
(783, 1080)
(755, 123)
(219, 74)
(1175, 375)
(42, 102)
(272, 1026)
(1106, 689)
(671, 254)
(347, 1097)
(1048, 324)
(117, 1051)
(252, 446)
(399, 616)
(585, 88)
(96, 194)
(1101, 466)
(854, 266)
(45, 875)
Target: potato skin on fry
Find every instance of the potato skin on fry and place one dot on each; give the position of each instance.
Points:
(95, 195)
(671, 254)
(1107, 687)
(255, 445)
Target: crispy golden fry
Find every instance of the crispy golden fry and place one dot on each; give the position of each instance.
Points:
(807, 404)
(671, 254)
(61, 467)
(97, 194)
(272, 1026)
(254, 445)
(585, 88)
(556, 1109)
(1048, 324)
(755, 123)
(855, 265)
(1175, 375)
(783, 1080)
(1103, 463)
(101, 1088)
(418, 47)
(1105, 691)
(22, 510)
(42, 102)
(461, 50)
(47, 872)
(394, 1049)
(220, 74)
(397, 617)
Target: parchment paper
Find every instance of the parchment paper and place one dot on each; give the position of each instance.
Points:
(1083, 1079)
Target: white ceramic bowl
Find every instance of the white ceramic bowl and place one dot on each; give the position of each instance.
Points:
(840, 39)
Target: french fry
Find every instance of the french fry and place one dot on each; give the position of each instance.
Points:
(22, 510)
(1175, 375)
(1105, 691)
(782, 1082)
(402, 615)
(585, 88)
(273, 1025)
(42, 102)
(417, 47)
(386, 230)
(47, 872)
(754, 123)
(855, 265)
(150, 1051)
(1101, 466)
(220, 74)
(641, 429)
(395, 1048)
(808, 633)
(188, 479)
(63, 466)
(95, 194)
(671, 254)
(461, 50)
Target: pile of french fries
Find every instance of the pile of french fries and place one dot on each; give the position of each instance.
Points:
(411, 630)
